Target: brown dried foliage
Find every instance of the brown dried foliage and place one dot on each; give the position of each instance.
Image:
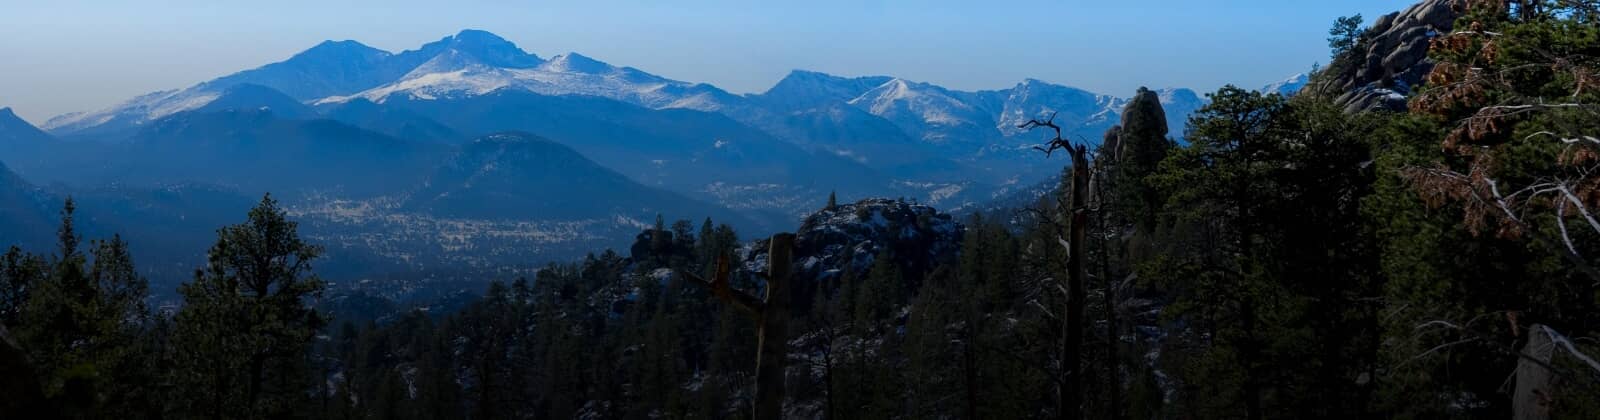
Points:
(1439, 186)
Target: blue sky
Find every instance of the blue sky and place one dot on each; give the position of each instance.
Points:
(69, 55)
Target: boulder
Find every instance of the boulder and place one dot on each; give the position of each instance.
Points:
(1392, 58)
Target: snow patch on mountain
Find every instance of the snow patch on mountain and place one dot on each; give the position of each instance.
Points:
(455, 75)
(137, 111)
(1287, 87)
(927, 111)
(1074, 108)
(929, 103)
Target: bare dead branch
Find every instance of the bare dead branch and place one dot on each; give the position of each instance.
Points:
(720, 288)
(1561, 340)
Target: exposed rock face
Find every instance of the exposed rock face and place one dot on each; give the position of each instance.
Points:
(1143, 118)
(1392, 58)
(918, 236)
(851, 236)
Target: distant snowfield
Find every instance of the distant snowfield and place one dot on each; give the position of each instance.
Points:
(570, 74)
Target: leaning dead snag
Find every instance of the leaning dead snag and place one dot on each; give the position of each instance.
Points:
(772, 320)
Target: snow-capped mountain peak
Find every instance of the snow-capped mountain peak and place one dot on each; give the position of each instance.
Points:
(450, 60)
(1289, 86)
(576, 63)
(1076, 108)
(897, 95)
(930, 112)
(486, 47)
(804, 89)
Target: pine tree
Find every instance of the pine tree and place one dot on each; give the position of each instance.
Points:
(1258, 199)
(20, 273)
(1344, 35)
(1506, 176)
(706, 246)
(1217, 186)
(82, 324)
(246, 325)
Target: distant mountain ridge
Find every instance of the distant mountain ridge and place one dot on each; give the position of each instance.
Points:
(474, 62)
(404, 162)
(889, 132)
(809, 134)
(24, 214)
(24, 147)
(14, 129)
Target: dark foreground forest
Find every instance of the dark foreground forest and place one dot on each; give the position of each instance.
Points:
(1325, 255)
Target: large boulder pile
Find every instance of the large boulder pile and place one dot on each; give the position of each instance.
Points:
(1391, 59)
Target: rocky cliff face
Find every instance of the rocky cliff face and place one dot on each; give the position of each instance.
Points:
(1391, 59)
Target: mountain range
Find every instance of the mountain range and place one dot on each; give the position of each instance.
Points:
(473, 63)
(470, 140)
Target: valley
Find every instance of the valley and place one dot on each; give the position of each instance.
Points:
(391, 159)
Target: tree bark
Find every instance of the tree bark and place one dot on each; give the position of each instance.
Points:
(1531, 399)
(774, 330)
(772, 321)
(1072, 403)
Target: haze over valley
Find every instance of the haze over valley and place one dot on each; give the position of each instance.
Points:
(471, 155)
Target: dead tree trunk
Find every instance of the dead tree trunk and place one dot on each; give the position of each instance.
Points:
(1073, 361)
(1531, 397)
(772, 321)
(1070, 394)
(773, 327)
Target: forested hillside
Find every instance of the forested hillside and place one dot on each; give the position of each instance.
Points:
(1412, 234)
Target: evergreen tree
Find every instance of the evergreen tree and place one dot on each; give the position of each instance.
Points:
(1344, 35)
(1500, 223)
(245, 330)
(83, 324)
(20, 272)
(1265, 189)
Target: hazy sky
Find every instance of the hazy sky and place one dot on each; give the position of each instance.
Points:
(71, 55)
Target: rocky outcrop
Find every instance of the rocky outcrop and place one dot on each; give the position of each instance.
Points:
(1145, 119)
(918, 236)
(1391, 59)
(848, 238)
